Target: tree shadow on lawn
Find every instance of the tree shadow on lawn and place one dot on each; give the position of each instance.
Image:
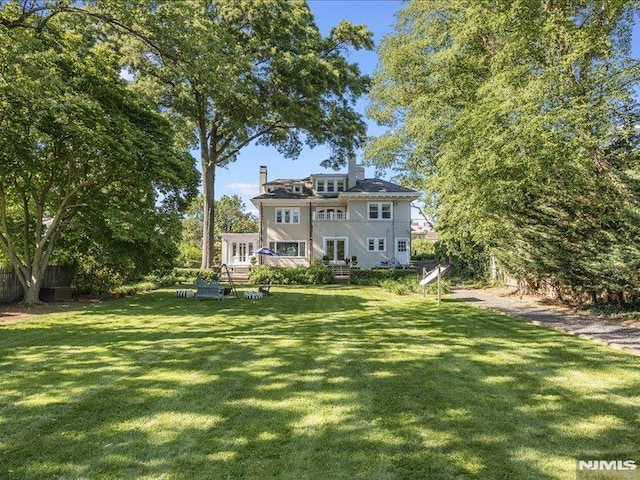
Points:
(355, 388)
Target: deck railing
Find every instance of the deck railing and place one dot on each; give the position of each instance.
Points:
(330, 216)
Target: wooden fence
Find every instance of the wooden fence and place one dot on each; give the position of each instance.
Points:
(11, 290)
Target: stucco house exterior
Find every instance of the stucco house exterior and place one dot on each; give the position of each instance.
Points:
(331, 215)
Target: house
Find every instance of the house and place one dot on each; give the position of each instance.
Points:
(331, 215)
(421, 229)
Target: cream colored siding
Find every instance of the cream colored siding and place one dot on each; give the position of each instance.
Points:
(286, 232)
(357, 230)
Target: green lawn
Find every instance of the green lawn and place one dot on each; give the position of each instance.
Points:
(312, 383)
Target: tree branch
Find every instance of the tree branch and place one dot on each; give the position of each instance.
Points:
(253, 137)
(22, 21)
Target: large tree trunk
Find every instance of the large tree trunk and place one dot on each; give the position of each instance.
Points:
(208, 237)
(32, 291)
(30, 277)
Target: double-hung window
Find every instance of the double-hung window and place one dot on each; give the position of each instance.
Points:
(377, 244)
(287, 215)
(380, 211)
(330, 185)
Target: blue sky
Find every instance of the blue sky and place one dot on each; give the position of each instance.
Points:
(241, 177)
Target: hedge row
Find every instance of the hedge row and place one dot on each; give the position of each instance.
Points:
(375, 277)
(313, 275)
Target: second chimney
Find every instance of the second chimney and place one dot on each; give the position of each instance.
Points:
(351, 178)
(262, 179)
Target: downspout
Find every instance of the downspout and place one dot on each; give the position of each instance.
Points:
(310, 233)
(260, 232)
(393, 233)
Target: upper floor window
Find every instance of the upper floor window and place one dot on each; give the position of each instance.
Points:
(287, 215)
(297, 189)
(380, 211)
(330, 185)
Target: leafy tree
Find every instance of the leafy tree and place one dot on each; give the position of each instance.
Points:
(243, 71)
(520, 115)
(423, 247)
(231, 218)
(74, 138)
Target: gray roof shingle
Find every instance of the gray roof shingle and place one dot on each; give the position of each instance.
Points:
(377, 185)
(367, 185)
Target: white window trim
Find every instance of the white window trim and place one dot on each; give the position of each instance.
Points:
(337, 213)
(291, 215)
(274, 246)
(379, 208)
(376, 244)
(346, 245)
(334, 182)
(403, 239)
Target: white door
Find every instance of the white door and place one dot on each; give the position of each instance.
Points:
(402, 251)
(335, 249)
(241, 253)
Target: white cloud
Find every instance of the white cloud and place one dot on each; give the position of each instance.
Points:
(243, 188)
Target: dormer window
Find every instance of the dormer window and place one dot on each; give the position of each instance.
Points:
(330, 185)
(297, 189)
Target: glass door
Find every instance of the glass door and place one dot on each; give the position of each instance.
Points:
(335, 249)
(402, 251)
(241, 252)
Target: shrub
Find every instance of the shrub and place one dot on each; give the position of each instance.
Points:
(408, 284)
(394, 286)
(313, 275)
(432, 288)
(148, 283)
(375, 276)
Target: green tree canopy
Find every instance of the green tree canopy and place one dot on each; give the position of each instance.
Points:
(243, 71)
(74, 138)
(231, 217)
(521, 117)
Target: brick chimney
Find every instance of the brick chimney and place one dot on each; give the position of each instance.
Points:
(262, 179)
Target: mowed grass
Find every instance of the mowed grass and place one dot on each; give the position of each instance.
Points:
(312, 383)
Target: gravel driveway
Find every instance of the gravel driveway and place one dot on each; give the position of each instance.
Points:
(618, 333)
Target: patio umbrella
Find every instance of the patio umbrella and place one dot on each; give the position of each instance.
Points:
(266, 251)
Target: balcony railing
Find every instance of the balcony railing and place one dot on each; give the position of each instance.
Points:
(330, 216)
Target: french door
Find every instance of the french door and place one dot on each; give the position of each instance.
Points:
(335, 248)
(241, 252)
